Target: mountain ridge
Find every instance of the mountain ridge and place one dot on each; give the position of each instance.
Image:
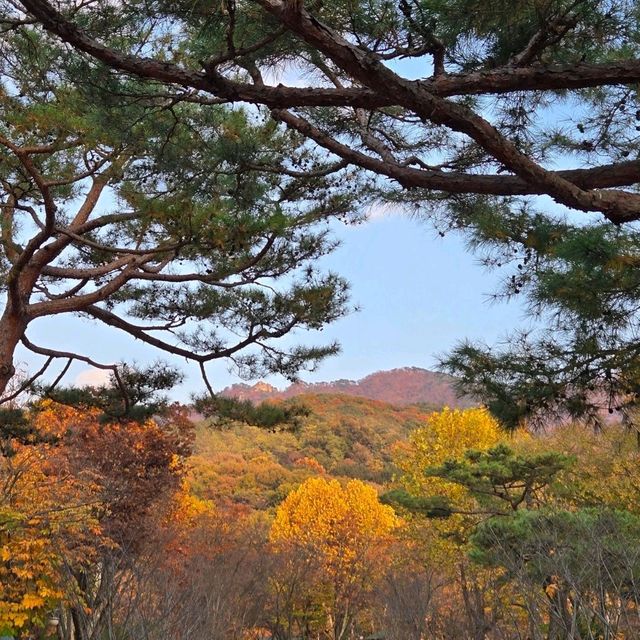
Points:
(401, 386)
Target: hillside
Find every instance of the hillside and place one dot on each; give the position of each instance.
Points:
(344, 436)
(406, 386)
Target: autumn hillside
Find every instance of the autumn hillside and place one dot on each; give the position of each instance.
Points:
(345, 436)
(405, 386)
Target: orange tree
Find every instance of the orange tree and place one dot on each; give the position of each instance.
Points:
(82, 497)
(46, 519)
(139, 469)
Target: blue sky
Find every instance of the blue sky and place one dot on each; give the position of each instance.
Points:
(418, 295)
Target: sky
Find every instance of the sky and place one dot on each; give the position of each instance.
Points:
(418, 294)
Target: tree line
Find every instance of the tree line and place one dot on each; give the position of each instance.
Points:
(106, 532)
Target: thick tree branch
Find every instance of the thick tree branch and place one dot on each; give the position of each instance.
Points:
(56, 353)
(366, 69)
(607, 176)
(82, 273)
(51, 251)
(46, 229)
(501, 80)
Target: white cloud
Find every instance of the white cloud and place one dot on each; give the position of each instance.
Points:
(92, 378)
(380, 210)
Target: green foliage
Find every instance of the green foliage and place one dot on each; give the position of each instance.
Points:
(132, 394)
(267, 415)
(582, 281)
(500, 475)
(523, 88)
(476, 35)
(205, 238)
(219, 180)
(586, 547)
(430, 507)
(14, 425)
(503, 29)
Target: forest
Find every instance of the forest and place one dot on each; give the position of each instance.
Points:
(358, 519)
(174, 173)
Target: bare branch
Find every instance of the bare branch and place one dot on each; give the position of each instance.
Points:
(85, 273)
(57, 353)
(205, 379)
(71, 356)
(27, 383)
(81, 302)
(59, 377)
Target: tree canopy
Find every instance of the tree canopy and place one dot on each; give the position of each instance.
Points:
(461, 112)
(193, 229)
(122, 528)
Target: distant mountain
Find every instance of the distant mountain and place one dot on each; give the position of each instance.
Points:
(409, 385)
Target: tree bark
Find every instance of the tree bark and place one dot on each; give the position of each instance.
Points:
(12, 327)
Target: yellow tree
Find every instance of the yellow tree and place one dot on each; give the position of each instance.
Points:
(335, 535)
(447, 435)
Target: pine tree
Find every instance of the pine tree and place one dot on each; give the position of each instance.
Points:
(195, 229)
(461, 111)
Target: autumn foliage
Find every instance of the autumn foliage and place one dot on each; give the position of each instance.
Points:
(342, 525)
(77, 491)
(45, 519)
(124, 529)
(340, 534)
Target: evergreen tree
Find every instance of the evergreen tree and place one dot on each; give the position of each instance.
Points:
(500, 478)
(196, 229)
(467, 109)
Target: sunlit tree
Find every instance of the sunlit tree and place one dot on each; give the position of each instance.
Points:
(341, 533)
